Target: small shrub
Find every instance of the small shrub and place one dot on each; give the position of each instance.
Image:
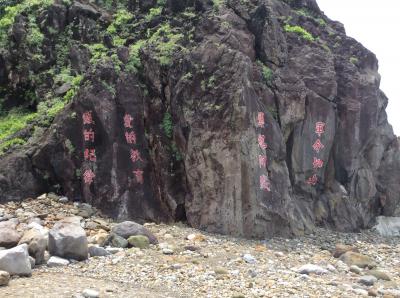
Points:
(267, 73)
(154, 12)
(121, 18)
(300, 31)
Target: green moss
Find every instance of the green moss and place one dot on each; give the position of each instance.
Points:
(300, 31)
(14, 121)
(5, 146)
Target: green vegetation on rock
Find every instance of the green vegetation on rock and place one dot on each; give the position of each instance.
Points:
(300, 31)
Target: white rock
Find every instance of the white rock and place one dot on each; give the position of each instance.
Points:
(16, 260)
(191, 237)
(311, 268)
(88, 293)
(388, 226)
(57, 262)
(331, 268)
(361, 292)
(63, 200)
(167, 251)
(248, 258)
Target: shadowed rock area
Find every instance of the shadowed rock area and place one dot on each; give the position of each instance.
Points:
(253, 118)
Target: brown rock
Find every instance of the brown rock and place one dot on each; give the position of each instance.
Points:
(379, 274)
(360, 260)
(4, 278)
(372, 292)
(342, 248)
(9, 237)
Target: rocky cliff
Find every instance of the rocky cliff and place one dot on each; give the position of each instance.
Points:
(253, 118)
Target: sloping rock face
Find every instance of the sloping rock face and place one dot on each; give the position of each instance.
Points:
(265, 120)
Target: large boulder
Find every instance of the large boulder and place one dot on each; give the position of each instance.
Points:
(16, 261)
(68, 240)
(129, 228)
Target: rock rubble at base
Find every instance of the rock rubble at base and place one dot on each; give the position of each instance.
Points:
(317, 265)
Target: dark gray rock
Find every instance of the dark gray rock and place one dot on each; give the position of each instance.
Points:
(96, 251)
(129, 228)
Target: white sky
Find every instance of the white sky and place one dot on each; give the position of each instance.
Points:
(376, 24)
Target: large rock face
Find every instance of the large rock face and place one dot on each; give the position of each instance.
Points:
(253, 126)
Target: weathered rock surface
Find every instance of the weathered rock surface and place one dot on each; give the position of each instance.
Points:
(68, 240)
(200, 151)
(16, 261)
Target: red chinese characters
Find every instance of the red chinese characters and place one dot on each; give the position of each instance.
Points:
(87, 118)
(88, 176)
(313, 180)
(261, 142)
(262, 161)
(135, 156)
(319, 128)
(261, 119)
(89, 153)
(130, 137)
(139, 176)
(128, 121)
(318, 163)
(318, 146)
(88, 134)
(264, 183)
